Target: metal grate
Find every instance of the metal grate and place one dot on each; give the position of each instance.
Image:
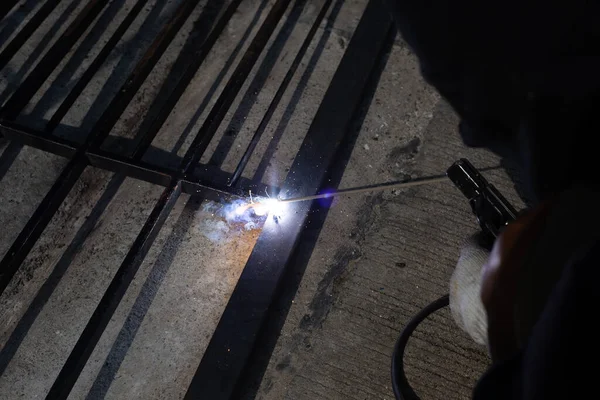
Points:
(229, 350)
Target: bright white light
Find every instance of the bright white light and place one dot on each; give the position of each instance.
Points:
(241, 209)
(268, 206)
(261, 209)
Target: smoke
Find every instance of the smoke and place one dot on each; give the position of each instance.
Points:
(237, 214)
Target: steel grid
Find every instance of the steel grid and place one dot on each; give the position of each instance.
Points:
(227, 355)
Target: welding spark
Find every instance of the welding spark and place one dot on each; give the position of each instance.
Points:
(261, 207)
(240, 210)
(264, 207)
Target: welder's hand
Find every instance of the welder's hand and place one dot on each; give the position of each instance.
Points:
(500, 277)
(465, 288)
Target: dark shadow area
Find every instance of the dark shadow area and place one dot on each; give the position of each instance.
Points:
(201, 29)
(249, 384)
(8, 156)
(134, 48)
(213, 88)
(297, 95)
(120, 73)
(154, 280)
(257, 84)
(72, 133)
(41, 298)
(143, 302)
(15, 77)
(6, 6)
(64, 81)
(9, 24)
(515, 174)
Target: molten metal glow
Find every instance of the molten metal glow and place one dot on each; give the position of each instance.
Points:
(261, 207)
(264, 207)
(240, 210)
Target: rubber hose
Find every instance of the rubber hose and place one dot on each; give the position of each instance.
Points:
(402, 389)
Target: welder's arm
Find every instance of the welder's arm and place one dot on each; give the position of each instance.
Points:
(500, 282)
(483, 287)
(559, 359)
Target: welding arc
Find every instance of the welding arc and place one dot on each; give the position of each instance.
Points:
(378, 187)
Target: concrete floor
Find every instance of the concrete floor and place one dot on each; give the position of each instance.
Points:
(378, 260)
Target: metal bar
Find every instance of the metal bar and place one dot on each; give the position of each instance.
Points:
(112, 297)
(239, 169)
(263, 72)
(20, 135)
(61, 188)
(189, 73)
(51, 59)
(235, 83)
(141, 72)
(226, 356)
(94, 66)
(39, 220)
(24, 34)
(205, 178)
(13, 342)
(8, 156)
(124, 167)
(126, 272)
(160, 176)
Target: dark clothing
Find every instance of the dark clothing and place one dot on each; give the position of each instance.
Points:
(524, 77)
(558, 361)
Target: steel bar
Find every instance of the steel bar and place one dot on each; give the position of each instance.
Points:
(239, 169)
(124, 167)
(112, 296)
(235, 83)
(14, 341)
(38, 221)
(51, 59)
(205, 180)
(95, 327)
(263, 73)
(91, 70)
(20, 135)
(25, 33)
(161, 176)
(48, 63)
(8, 156)
(232, 342)
(61, 188)
(198, 58)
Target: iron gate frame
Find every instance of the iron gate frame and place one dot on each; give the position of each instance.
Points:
(228, 353)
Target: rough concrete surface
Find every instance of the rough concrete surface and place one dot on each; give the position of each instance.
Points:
(381, 258)
(378, 260)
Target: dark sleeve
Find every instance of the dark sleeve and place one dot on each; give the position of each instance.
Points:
(559, 358)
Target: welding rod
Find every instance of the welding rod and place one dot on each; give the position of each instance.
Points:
(371, 188)
(381, 186)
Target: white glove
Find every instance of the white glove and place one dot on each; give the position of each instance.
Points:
(465, 286)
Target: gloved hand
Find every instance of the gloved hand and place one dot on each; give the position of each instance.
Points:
(465, 290)
(483, 287)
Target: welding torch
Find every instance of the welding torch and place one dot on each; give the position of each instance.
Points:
(493, 213)
(491, 209)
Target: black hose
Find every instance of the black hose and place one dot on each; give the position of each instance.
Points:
(402, 389)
